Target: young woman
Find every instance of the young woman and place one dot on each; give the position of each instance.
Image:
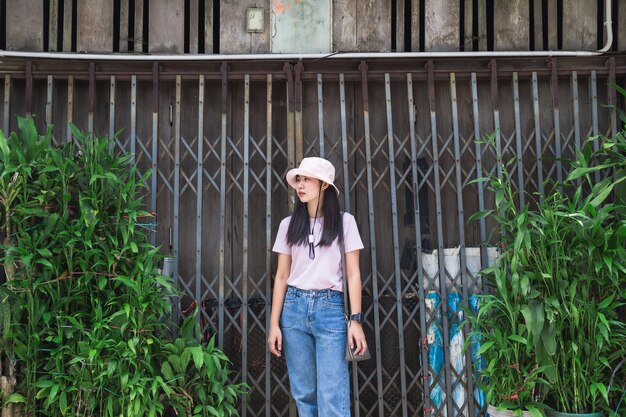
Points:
(307, 319)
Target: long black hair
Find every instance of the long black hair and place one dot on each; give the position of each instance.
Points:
(298, 231)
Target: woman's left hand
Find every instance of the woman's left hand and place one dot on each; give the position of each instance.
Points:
(357, 338)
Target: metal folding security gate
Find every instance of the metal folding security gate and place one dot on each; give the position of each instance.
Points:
(219, 138)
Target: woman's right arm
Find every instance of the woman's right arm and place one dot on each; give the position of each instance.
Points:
(275, 339)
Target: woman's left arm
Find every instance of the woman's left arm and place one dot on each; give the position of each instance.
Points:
(355, 331)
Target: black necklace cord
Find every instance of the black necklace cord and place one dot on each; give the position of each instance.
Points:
(311, 235)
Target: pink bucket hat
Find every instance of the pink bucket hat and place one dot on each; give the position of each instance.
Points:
(313, 167)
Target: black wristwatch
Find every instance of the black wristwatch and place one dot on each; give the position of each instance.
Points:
(358, 317)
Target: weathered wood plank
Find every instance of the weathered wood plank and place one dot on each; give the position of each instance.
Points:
(124, 35)
(94, 26)
(208, 26)
(140, 42)
(24, 25)
(233, 36)
(552, 25)
(482, 24)
(53, 26)
(442, 25)
(538, 25)
(400, 47)
(511, 23)
(621, 27)
(193, 26)
(580, 25)
(469, 25)
(67, 25)
(166, 32)
(344, 25)
(373, 29)
(415, 26)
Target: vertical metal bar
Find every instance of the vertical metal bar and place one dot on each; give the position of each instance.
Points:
(612, 96)
(593, 86)
(291, 150)
(461, 229)
(155, 145)
(92, 96)
(518, 141)
(133, 116)
(372, 229)
(344, 140)
(246, 174)
(112, 109)
(298, 99)
(49, 101)
(443, 286)
(538, 137)
(199, 192)
(554, 84)
(268, 242)
(176, 207)
(396, 245)
(576, 111)
(224, 141)
(479, 171)
(496, 113)
(70, 105)
(29, 88)
(320, 113)
(7, 104)
(418, 241)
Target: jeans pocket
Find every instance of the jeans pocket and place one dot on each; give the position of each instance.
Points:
(332, 320)
(290, 314)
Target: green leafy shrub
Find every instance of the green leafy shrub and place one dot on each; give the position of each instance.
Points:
(89, 330)
(558, 288)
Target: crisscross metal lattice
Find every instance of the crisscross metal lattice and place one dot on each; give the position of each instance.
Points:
(405, 141)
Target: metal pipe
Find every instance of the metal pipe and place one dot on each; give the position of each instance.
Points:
(609, 28)
(302, 57)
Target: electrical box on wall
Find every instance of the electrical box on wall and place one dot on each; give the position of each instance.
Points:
(301, 26)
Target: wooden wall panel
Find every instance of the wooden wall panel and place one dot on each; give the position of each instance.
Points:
(94, 26)
(511, 22)
(24, 25)
(166, 32)
(442, 20)
(373, 30)
(580, 25)
(67, 26)
(233, 36)
(344, 25)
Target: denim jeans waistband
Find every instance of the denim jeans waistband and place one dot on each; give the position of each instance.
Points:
(327, 293)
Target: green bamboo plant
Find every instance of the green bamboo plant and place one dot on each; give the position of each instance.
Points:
(90, 331)
(560, 279)
(511, 322)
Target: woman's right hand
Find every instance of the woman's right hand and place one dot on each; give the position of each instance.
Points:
(275, 340)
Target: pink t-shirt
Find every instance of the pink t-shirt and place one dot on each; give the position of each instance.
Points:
(323, 272)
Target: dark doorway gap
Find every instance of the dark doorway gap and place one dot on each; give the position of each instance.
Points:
(131, 26)
(216, 27)
(475, 32)
(116, 24)
(461, 25)
(531, 25)
(407, 25)
(422, 37)
(46, 25)
(394, 22)
(74, 24)
(544, 23)
(186, 26)
(201, 29)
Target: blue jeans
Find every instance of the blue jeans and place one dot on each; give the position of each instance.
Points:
(314, 343)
